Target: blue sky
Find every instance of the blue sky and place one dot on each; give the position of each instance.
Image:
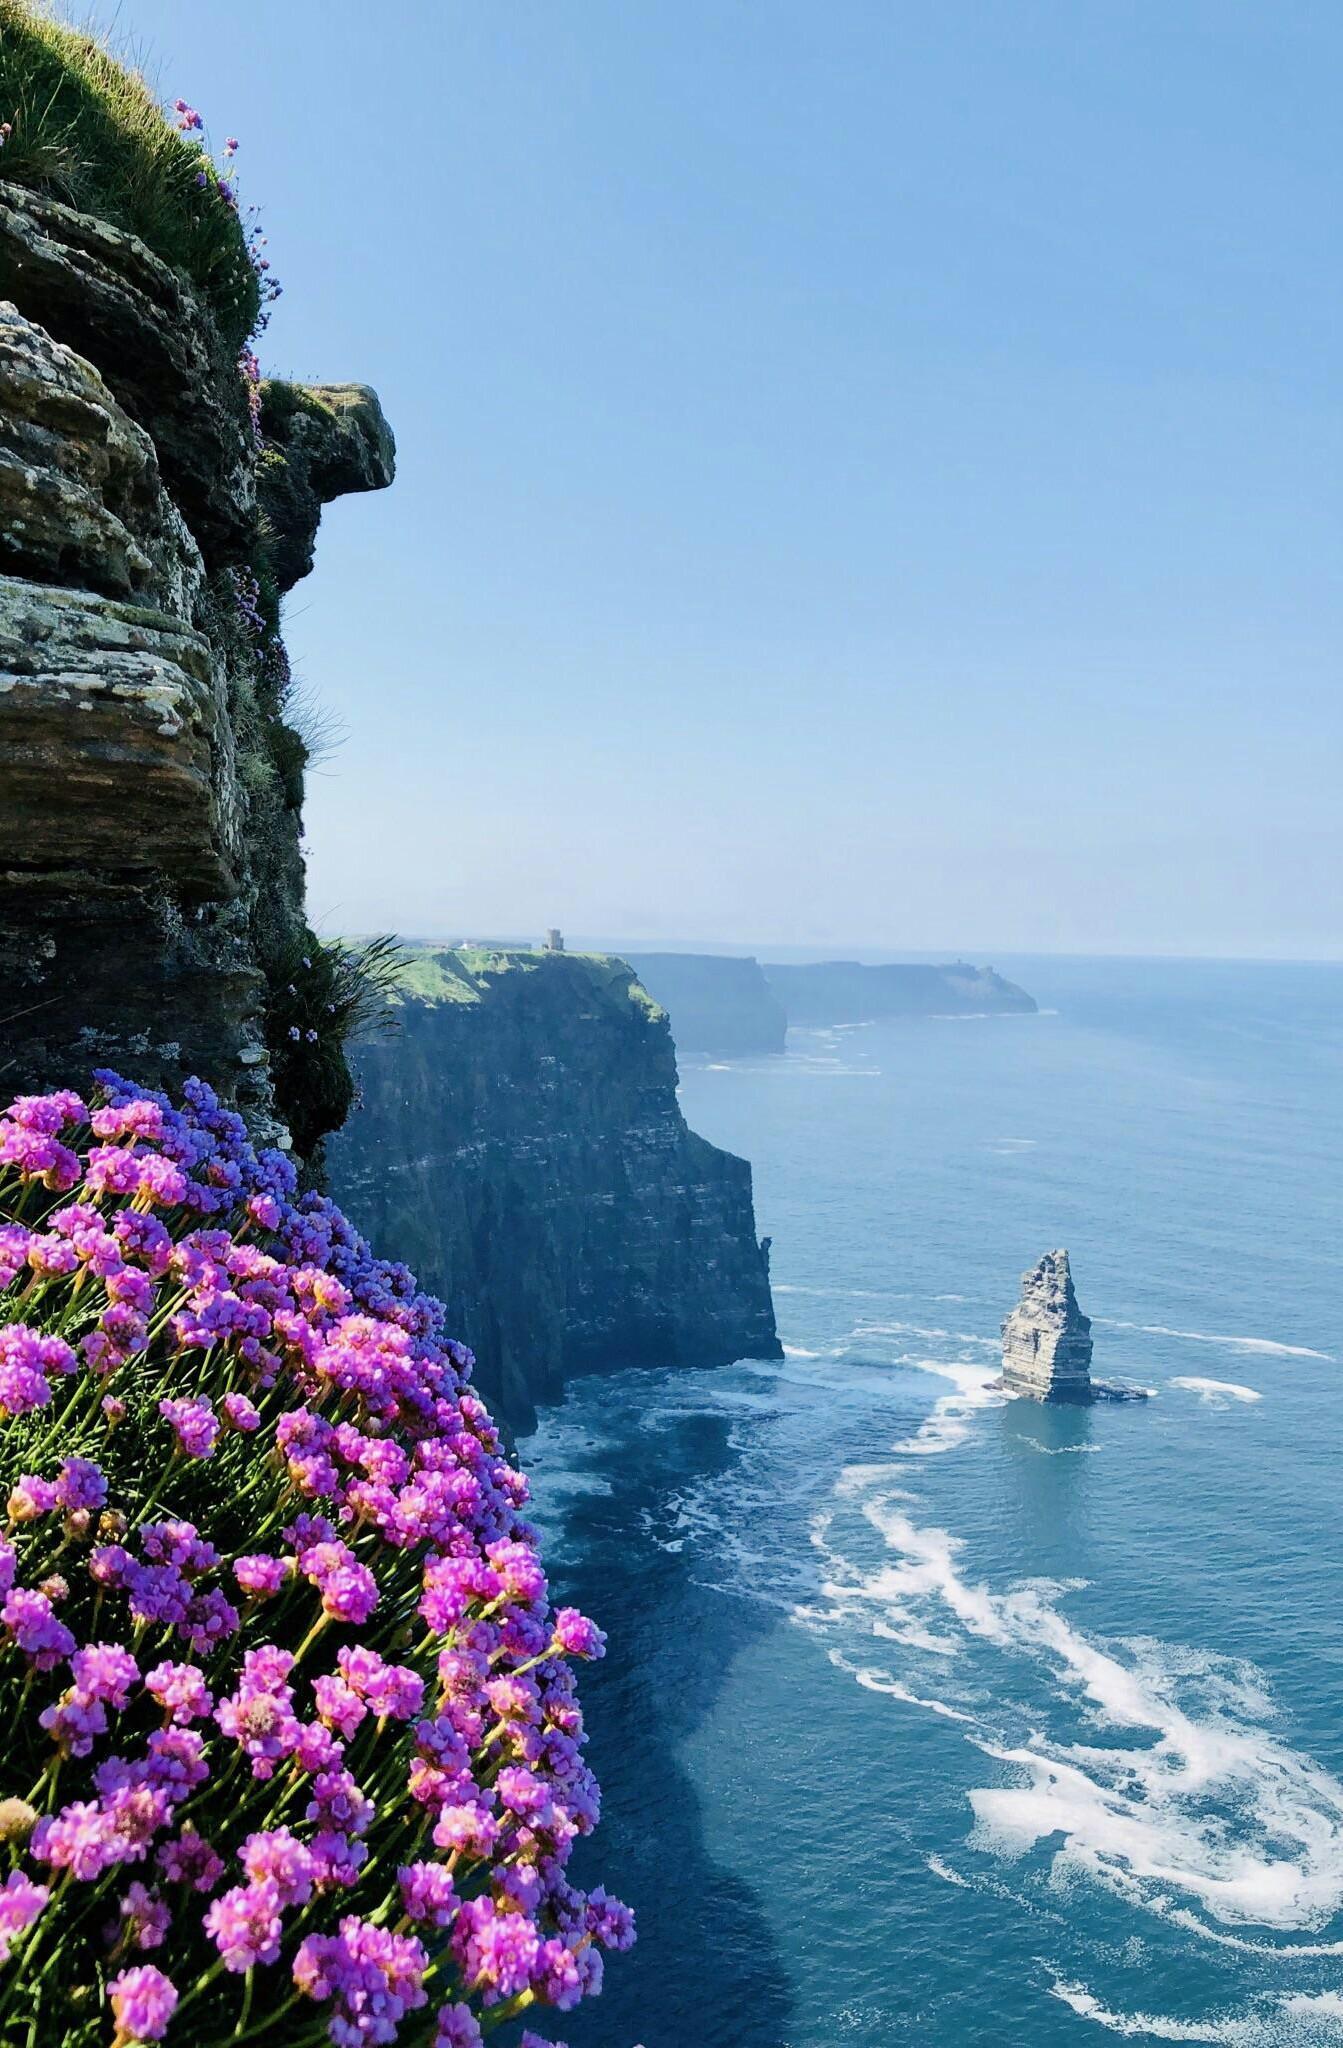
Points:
(869, 472)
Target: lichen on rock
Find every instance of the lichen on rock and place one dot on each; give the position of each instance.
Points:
(151, 784)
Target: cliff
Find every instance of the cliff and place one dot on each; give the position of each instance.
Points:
(717, 1005)
(845, 992)
(156, 502)
(519, 1140)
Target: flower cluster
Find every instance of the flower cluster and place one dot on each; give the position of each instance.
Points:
(288, 1710)
(221, 178)
(247, 602)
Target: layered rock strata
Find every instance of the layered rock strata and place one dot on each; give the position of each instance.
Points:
(1047, 1342)
(1047, 1339)
(151, 884)
(519, 1139)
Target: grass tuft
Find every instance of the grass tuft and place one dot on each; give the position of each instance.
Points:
(86, 129)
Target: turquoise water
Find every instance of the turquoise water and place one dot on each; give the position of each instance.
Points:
(935, 1719)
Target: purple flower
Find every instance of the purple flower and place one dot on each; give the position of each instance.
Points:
(28, 1363)
(372, 1977)
(457, 2028)
(263, 1577)
(104, 1671)
(260, 1716)
(180, 1690)
(195, 1424)
(174, 1241)
(191, 1861)
(142, 1921)
(48, 1114)
(339, 1707)
(497, 1951)
(80, 1839)
(578, 1636)
(244, 1924)
(349, 1590)
(391, 1690)
(80, 1485)
(143, 2002)
(20, 1903)
(45, 1641)
(31, 1497)
(428, 1893)
(241, 1412)
(279, 1856)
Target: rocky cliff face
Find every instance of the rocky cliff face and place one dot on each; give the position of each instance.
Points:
(846, 992)
(519, 1141)
(151, 886)
(717, 1005)
(1047, 1339)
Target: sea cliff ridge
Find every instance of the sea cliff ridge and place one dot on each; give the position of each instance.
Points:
(519, 1134)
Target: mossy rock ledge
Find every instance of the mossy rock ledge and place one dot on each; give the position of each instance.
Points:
(151, 786)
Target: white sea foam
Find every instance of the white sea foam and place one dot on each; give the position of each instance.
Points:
(800, 1351)
(950, 1420)
(1058, 1450)
(874, 1680)
(1236, 2033)
(1201, 1803)
(1265, 1346)
(1281, 1952)
(1216, 1393)
(946, 1873)
(1293, 2021)
(932, 1333)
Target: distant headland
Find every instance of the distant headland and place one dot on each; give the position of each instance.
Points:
(734, 1006)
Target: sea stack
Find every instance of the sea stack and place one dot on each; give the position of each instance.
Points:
(1047, 1339)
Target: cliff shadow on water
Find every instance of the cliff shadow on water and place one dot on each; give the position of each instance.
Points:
(699, 1924)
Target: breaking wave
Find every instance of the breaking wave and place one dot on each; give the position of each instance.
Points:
(1198, 1798)
(1216, 1393)
(1265, 1346)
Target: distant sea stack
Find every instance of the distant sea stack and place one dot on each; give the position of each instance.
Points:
(719, 1006)
(1047, 1341)
(847, 992)
(519, 1140)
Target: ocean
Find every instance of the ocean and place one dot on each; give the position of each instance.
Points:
(930, 1717)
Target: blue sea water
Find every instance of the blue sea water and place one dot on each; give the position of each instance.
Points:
(933, 1718)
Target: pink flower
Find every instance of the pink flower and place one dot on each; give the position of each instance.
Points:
(143, 2002)
(180, 1690)
(244, 1925)
(195, 1424)
(20, 1903)
(241, 1413)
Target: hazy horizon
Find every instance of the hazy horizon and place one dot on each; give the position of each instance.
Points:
(875, 470)
(867, 951)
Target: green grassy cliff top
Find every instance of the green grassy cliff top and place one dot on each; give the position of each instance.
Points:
(465, 974)
(88, 130)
